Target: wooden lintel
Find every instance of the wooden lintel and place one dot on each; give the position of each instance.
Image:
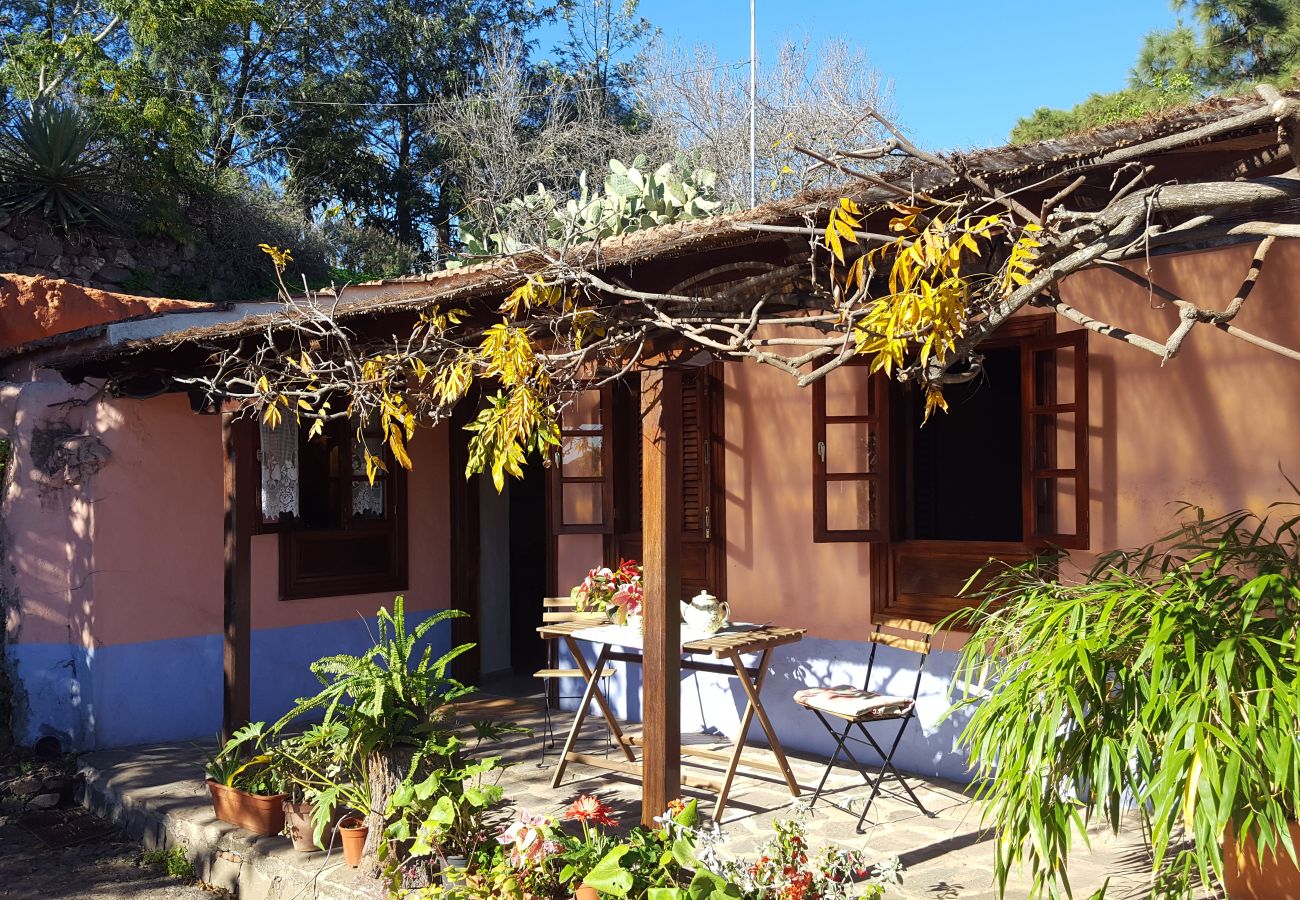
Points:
(661, 497)
(239, 478)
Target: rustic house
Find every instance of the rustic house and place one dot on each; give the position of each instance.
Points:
(167, 563)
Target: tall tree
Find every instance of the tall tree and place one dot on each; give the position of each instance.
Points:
(382, 160)
(1228, 45)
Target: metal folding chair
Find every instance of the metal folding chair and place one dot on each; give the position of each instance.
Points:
(860, 707)
(561, 609)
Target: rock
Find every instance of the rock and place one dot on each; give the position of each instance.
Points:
(7, 243)
(48, 245)
(61, 266)
(91, 264)
(56, 783)
(26, 786)
(44, 801)
(123, 259)
(112, 274)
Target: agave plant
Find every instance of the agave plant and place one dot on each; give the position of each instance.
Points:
(48, 166)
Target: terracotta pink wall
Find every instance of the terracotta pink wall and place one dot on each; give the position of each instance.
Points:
(136, 554)
(1212, 427)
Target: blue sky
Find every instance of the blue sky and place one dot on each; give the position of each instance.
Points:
(963, 71)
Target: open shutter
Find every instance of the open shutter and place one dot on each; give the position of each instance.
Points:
(582, 472)
(850, 461)
(1055, 386)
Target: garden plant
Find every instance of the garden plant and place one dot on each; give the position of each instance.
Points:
(1164, 683)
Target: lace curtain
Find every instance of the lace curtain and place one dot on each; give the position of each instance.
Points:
(367, 498)
(279, 472)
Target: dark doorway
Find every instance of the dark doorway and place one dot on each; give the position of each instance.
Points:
(965, 465)
(528, 582)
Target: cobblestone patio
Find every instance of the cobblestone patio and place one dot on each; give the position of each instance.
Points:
(946, 857)
(157, 795)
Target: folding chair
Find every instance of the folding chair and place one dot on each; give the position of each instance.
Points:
(562, 609)
(860, 707)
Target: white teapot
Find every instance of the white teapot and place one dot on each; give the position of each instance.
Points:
(705, 613)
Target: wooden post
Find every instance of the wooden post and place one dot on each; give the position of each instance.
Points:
(661, 499)
(238, 470)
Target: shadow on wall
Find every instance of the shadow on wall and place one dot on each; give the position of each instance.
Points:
(713, 704)
(59, 444)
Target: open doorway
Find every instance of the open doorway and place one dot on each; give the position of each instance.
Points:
(512, 539)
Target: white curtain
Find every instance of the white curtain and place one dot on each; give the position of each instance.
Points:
(279, 471)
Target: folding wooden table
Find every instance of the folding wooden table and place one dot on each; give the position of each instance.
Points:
(728, 645)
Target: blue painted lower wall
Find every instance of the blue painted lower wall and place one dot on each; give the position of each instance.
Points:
(169, 690)
(713, 704)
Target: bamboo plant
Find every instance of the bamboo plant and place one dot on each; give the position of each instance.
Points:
(1164, 684)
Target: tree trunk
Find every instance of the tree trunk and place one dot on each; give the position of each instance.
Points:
(385, 769)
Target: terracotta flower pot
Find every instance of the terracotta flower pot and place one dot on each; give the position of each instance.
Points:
(586, 893)
(1246, 878)
(353, 832)
(297, 818)
(260, 814)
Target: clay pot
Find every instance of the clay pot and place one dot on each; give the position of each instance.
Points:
(586, 893)
(353, 832)
(297, 818)
(260, 814)
(1246, 878)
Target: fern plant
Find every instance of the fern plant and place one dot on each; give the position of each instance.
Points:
(47, 166)
(388, 697)
(1165, 683)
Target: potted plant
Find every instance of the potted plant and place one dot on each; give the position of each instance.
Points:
(618, 593)
(353, 832)
(309, 763)
(246, 789)
(1163, 683)
(582, 853)
(391, 702)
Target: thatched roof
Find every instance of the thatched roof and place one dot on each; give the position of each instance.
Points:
(1009, 167)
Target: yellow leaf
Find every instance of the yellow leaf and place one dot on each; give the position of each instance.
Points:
(1189, 793)
(934, 399)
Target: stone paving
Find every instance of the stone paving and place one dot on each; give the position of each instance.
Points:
(157, 795)
(946, 857)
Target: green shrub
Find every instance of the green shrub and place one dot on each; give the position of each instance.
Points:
(1166, 680)
(172, 861)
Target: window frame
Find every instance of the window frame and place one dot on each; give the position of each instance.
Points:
(823, 478)
(293, 538)
(1031, 335)
(605, 404)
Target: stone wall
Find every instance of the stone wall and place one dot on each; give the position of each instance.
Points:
(150, 266)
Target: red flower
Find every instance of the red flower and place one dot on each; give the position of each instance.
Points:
(588, 809)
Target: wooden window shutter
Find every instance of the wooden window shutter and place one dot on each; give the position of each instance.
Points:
(1055, 389)
(582, 469)
(696, 480)
(850, 456)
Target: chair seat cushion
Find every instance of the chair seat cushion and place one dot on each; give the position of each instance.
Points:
(849, 702)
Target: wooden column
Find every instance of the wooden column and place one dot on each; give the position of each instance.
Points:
(661, 499)
(238, 476)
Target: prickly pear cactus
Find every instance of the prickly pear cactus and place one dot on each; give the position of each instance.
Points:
(634, 197)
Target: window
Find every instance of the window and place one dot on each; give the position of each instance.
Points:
(596, 474)
(583, 501)
(1003, 474)
(339, 534)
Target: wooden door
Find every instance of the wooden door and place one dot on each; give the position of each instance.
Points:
(703, 551)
